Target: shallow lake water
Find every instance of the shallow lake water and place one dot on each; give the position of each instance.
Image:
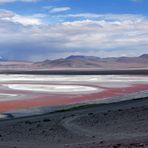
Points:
(22, 92)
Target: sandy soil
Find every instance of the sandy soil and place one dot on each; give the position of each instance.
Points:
(122, 124)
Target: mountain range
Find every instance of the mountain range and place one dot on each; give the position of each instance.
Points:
(79, 62)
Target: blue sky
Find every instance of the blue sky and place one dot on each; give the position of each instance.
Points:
(81, 6)
(50, 29)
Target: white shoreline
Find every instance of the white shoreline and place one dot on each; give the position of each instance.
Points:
(70, 89)
(90, 78)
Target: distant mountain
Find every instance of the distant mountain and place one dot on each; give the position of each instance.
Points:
(144, 56)
(78, 62)
(15, 65)
(2, 59)
(72, 62)
(95, 62)
(82, 58)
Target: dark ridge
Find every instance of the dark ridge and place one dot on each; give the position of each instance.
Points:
(144, 56)
(81, 72)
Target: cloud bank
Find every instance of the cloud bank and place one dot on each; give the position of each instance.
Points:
(29, 37)
(11, 1)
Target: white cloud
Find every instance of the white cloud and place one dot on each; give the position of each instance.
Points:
(24, 20)
(106, 34)
(58, 9)
(11, 1)
(15, 18)
(109, 17)
(136, 0)
(6, 13)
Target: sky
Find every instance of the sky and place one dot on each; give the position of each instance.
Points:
(36, 30)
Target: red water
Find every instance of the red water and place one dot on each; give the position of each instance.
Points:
(33, 99)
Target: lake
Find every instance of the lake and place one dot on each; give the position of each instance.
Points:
(32, 92)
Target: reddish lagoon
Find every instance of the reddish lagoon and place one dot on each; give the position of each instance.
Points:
(29, 91)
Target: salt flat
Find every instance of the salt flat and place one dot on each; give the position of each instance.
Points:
(33, 91)
(71, 78)
(53, 88)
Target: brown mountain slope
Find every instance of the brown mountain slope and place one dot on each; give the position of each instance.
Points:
(79, 62)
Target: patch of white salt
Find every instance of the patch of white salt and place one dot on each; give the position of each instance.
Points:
(53, 88)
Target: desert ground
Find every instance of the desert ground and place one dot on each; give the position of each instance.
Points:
(114, 125)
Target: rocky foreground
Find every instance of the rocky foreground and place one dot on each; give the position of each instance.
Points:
(118, 125)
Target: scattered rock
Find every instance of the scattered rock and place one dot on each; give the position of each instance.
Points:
(105, 114)
(72, 115)
(117, 146)
(28, 122)
(38, 125)
(141, 145)
(90, 114)
(46, 120)
(101, 142)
